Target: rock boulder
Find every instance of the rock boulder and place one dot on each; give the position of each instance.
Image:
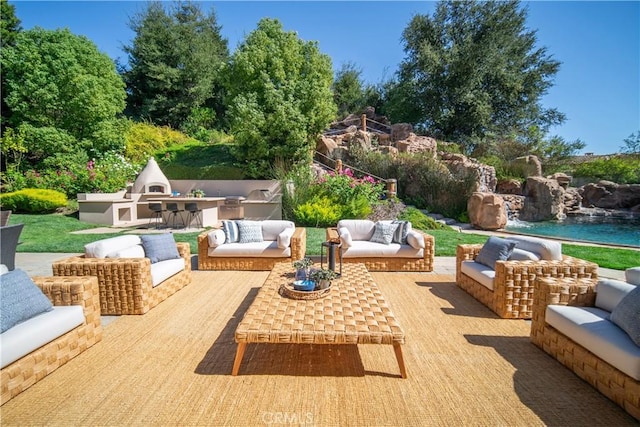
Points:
(487, 211)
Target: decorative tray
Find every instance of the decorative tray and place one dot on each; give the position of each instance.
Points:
(288, 291)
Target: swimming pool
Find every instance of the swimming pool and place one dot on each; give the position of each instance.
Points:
(596, 229)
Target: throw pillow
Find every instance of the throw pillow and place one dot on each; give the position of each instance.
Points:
(230, 231)
(625, 315)
(250, 231)
(20, 299)
(495, 249)
(160, 247)
(400, 236)
(383, 232)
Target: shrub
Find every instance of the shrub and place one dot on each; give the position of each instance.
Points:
(421, 221)
(33, 201)
(621, 170)
(320, 212)
(144, 139)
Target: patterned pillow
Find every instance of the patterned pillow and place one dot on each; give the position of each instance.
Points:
(160, 247)
(625, 315)
(20, 299)
(383, 232)
(250, 231)
(400, 236)
(231, 233)
(495, 249)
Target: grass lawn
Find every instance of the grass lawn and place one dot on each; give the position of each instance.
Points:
(52, 233)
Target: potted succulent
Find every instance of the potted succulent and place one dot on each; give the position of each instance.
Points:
(302, 268)
(198, 193)
(323, 277)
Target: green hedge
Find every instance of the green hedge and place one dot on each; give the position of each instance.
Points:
(33, 201)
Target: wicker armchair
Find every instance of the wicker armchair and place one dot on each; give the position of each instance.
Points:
(512, 294)
(207, 262)
(126, 283)
(608, 380)
(62, 291)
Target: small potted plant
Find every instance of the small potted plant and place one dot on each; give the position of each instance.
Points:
(197, 193)
(302, 268)
(323, 277)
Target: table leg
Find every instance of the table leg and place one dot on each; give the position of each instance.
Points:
(239, 354)
(398, 349)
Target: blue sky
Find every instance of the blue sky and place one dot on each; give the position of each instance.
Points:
(598, 43)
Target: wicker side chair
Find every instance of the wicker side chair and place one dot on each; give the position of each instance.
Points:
(125, 283)
(62, 291)
(608, 380)
(512, 294)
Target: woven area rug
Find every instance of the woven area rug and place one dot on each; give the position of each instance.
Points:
(172, 366)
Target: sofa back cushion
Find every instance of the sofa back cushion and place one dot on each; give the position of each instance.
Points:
(543, 248)
(609, 292)
(136, 251)
(271, 228)
(359, 229)
(632, 275)
(20, 299)
(104, 247)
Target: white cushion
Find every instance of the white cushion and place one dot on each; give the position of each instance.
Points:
(216, 238)
(360, 229)
(271, 228)
(363, 248)
(3, 269)
(101, 248)
(546, 249)
(479, 272)
(162, 270)
(345, 237)
(590, 327)
(32, 334)
(266, 249)
(609, 292)
(284, 238)
(522, 255)
(632, 275)
(136, 251)
(415, 239)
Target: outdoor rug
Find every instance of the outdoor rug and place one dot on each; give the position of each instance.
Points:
(172, 367)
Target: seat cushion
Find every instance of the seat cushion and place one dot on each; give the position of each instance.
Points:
(162, 270)
(102, 248)
(20, 299)
(367, 249)
(591, 328)
(495, 249)
(627, 315)
(266, 249)
(160, 247)
(32, 334)
(479, 272)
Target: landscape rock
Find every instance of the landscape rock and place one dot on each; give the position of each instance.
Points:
(459, 164)
(400, 131)
(487, 211)
(544, 200)
(528, 165)
(609, 195)
(509, 186)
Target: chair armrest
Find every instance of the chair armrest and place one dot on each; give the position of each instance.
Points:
(65, 291)
(466, 252)
(559, 291)
(299, 243)
(184, 249)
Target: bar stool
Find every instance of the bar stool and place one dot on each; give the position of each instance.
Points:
(157, 213)
(194, 213)
(173, 210)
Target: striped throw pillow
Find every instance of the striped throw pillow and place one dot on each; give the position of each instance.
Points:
(400, 236)
(231, 234)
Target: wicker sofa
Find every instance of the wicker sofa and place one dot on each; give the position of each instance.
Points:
(279, 241)
(414, 252)
(507, 289)
(584, 338)
(22, 373)
(129, 282)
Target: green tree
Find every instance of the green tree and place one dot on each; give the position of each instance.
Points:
(279, 98)
(64, 94)
(631, 144)
(175, 64)
(9, 28)
(348, 90)
(473, 71)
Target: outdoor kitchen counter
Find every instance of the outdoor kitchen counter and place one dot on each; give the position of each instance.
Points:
(208, 205)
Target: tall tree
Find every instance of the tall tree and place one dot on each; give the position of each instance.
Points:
(348, 90)
(64, 94)
(473, 71)
(9, 29)
(175, 64)
(279, 98)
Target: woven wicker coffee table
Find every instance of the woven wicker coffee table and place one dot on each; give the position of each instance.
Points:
(353, 312)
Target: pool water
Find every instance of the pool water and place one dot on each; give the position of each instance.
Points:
(610, 230)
